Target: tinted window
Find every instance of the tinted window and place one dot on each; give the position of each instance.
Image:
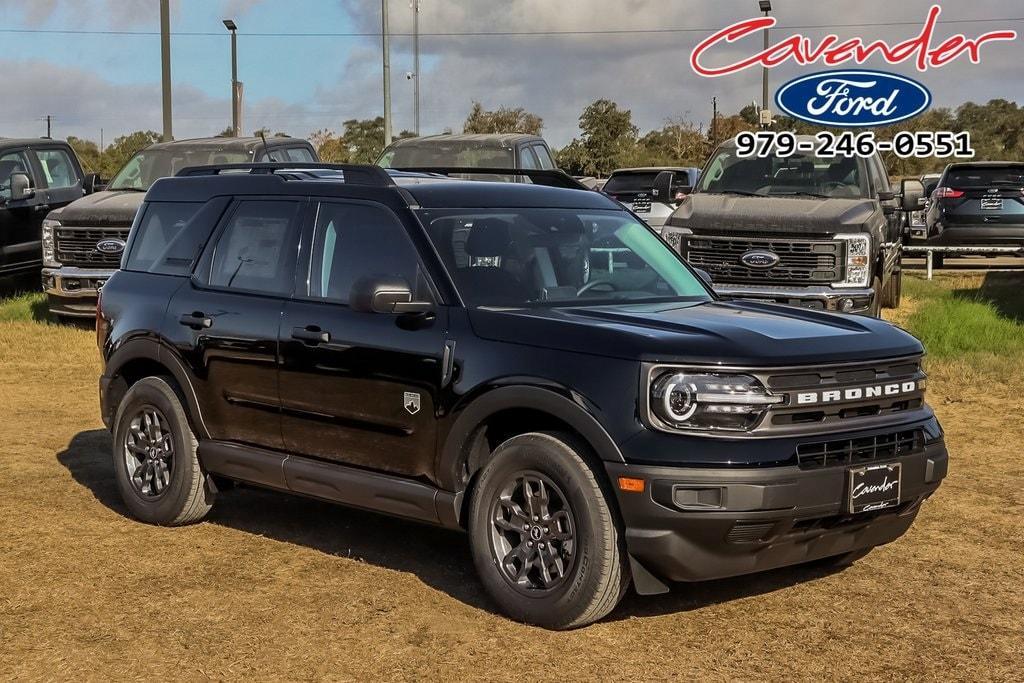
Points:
(528, 159)
(437, 153)
(630, 182)
(980, 176)
(300, 154)
(358, 240)
(11, 162)
(57, 168)
(257, 249)
(167, 241)
(542, 155)
(550, 257)
(800, 174)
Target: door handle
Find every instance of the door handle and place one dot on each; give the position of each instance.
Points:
(43, 207)
(197, 320)
(311, 334)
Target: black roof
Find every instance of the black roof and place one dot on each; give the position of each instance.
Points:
(229, 143)
(395, 188)
(6, 143)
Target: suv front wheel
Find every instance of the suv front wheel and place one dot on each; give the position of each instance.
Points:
(546, 543)
(155, 461)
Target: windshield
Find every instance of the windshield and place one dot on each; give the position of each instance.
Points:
(984, 176)
(799, 175)
(149, 165)
(548, 257)
(438, 154)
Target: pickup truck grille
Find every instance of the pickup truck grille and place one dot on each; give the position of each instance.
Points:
(77, 246)
(801, 262)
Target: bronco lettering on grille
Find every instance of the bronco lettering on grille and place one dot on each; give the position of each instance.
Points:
(856, 393)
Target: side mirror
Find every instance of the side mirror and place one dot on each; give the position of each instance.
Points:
(704, 275)
(92, 183)
(663, 186)
(912, 195)
(21, 187)
(385, 295)
(681, 192)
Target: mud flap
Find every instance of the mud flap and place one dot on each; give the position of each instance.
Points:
(645, 582)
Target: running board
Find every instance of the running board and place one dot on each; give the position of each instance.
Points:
(332, 482)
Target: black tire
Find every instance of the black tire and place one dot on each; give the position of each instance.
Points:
(875, 309)
(894, 290)
(594, 574)
(165, 487)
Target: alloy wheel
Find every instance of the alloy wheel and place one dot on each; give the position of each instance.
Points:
(149, 452)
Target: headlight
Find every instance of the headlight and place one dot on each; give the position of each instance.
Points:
(49, 244)
(858, 260)
(686, 400)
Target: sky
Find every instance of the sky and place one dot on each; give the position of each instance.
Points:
(95, 64)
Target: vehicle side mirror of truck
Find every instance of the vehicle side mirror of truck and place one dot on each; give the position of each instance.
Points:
(385, 295)
(912, 195)
(663, 186)
(92, 183)
(21, 187)
(681, 192)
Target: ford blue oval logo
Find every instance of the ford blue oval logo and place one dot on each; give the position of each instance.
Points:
(759, 259)
(854, 97)
(110, 246)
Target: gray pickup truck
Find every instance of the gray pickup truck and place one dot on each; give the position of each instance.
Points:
(807, 230)
(83, 242)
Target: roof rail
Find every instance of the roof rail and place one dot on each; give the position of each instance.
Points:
(353, 174)
(549, 177)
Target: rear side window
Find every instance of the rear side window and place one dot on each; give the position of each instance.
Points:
(167, 240)
(257, 249)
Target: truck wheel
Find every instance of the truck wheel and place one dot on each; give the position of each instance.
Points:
(875, 310)
(545, 542)
(155, 461)
(894, 290)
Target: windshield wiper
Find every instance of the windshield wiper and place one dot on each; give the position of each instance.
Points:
(127, 189)
(742, 193)
(803, 194)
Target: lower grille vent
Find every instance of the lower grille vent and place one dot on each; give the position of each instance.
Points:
(860, 450)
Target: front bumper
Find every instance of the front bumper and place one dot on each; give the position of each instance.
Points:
(694, 524)
(72, 291)
(820, 297)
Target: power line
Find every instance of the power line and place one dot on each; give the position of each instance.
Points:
(490, 34)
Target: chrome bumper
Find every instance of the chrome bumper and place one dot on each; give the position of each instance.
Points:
(816, 296)
(72, 291)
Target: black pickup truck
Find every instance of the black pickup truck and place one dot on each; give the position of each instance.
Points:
(820, 232)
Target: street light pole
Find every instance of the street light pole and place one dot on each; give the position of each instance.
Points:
(230, 25)
(765, 113)
(386, 46)
(416, 66)
(165, 66)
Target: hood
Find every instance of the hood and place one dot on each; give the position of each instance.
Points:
(707, 212)
(107, 208)
(725, 333)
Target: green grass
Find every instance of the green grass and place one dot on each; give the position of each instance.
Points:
(24, 307)
(957, 316)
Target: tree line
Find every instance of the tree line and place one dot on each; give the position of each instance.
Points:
(609, 139)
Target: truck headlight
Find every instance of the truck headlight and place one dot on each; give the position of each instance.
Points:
(858, 260)
(49, 243)
(684, 400)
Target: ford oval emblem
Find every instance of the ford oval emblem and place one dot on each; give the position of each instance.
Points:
(854, 97)
(759, 259)
(110, 246)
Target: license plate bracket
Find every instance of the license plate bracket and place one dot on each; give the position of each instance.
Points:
(992, 204)
(874, 487)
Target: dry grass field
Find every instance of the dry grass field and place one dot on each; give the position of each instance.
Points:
(274, 587)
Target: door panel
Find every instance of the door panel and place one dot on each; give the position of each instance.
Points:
(20, 222)
(366, 396)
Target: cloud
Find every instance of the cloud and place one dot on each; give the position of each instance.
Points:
(115, 14)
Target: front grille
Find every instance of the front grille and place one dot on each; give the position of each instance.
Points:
(801, 262)
(865, 449)
(77, 246)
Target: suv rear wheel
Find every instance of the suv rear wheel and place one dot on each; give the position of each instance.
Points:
(546, 543)
(155, 461)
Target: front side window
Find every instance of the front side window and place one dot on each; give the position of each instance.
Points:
(800, 175)
(353, 241)
(257, 249)
(57, 168)
(11, 163)
(551, 257)
(544, 157)
(300, 154)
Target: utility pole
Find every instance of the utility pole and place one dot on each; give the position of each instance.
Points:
(386, 46)
(165, 63)
(765, 116)
(416, 66)
(714, 121)
(49, 122)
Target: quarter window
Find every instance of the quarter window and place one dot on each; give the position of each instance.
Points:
(167, 239)
(257, 250)
(353, 241)
(57, 168)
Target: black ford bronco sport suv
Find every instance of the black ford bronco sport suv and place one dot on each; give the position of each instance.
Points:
(467, 354)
